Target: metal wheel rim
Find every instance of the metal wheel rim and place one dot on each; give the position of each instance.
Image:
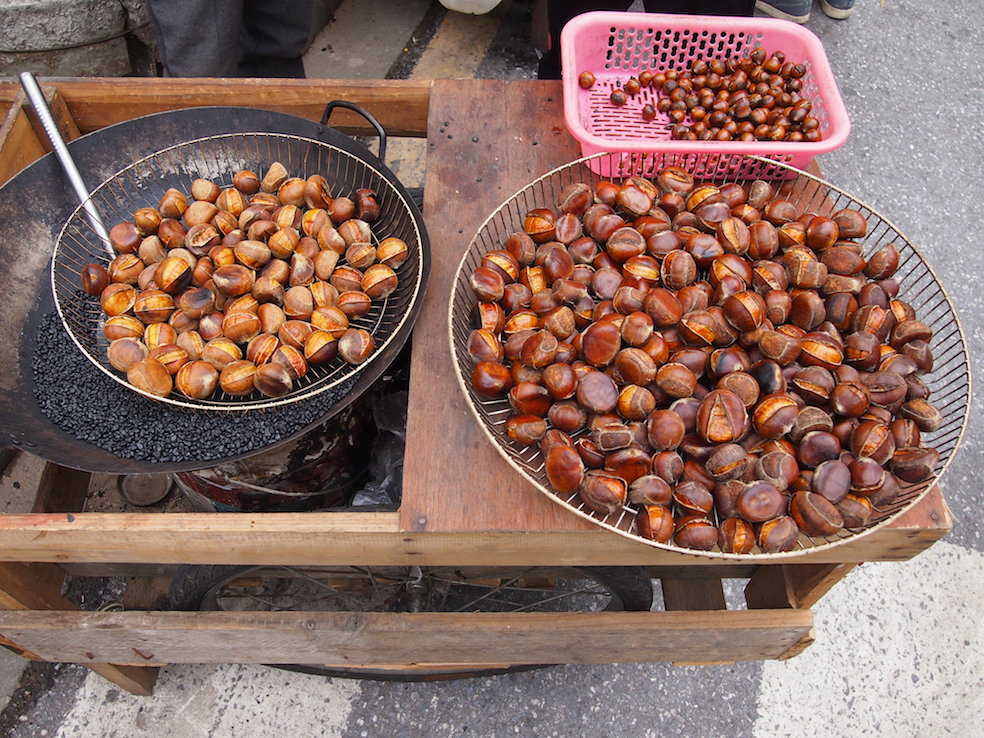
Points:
(407, 589)
(950, 379)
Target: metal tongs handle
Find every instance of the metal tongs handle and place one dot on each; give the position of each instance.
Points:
(34, 94)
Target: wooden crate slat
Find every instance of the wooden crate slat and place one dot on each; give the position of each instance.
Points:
(63, 117)
(155, 638)
(373, 539)
(19, 142)
(793, 586)
(472, 488)
(693, 594)
(399, 105)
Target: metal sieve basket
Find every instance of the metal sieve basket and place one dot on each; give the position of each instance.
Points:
(218, 158)
(949, 382)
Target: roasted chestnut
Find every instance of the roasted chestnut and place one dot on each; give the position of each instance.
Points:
(736, 536)
(721, 417)
(197, 380)
(94, 279)
(655, 522)
(760, 501)
(355, 345)
(150, 376)
(171, 356)
(695, 531)
(125, 352)
(601, 491)
(777, 535)
(814, 514)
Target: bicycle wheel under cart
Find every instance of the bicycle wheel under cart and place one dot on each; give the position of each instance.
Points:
(411, 589)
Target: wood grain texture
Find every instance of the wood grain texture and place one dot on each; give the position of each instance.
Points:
(151, 638)
(28, 588)
(60, 112)
(32, 586)
(61, 489)
(400, 105)
(482, 148)
(19, 143)
(800, 585)
(377, 538)
(693, 594)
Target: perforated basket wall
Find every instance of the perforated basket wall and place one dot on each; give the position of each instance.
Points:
(949, 381)
(615, 46)
(218, 158)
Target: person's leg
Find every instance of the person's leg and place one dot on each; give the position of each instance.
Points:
(838, 9)
(275, 34)
(197, 38)
(701, 7)
(558, 13)
(797, 11)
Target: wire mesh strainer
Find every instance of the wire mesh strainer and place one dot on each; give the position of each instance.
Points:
(949, 382)
(218, 158)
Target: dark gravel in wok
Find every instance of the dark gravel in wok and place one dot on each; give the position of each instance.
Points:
(82, 401)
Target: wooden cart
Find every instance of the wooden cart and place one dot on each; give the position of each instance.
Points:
(462, 504)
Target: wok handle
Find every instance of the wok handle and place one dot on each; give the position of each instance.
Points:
(330, 107)
(34, 94)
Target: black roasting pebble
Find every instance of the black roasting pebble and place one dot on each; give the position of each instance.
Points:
(80, 400)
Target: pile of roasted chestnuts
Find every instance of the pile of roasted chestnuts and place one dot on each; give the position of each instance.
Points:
(242, 289)
(740, 98)
(730, 369)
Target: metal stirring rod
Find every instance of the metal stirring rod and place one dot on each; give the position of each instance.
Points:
(34, 94)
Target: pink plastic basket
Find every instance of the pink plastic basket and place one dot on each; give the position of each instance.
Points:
(614, 46)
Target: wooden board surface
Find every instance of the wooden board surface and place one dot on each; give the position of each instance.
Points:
(484, 145)
(400, 105)
(482, 148)
(376, 539)
(19, 144)
(486, 141)
(154, 638)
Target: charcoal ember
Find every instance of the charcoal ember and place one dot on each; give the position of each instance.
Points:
(90, 406)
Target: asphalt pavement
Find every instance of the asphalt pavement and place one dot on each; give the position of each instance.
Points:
(899, 647)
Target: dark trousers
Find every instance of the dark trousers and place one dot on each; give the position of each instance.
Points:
(231, 38)
(561, 11)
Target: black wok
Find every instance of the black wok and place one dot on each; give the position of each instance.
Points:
(122, 432)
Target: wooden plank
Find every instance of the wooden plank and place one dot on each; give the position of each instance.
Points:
(147, 593)
(7, 455)
(399, 105)
(22, 652)
(19, 143)
(59, 111)
(805, 642)
(136, 679)
(483, 148)
(693, 594)
(30, 588)
(61, 490)
(359, 639)
(19, 484)
(793, 585)
(9, 90)
(376, 539)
